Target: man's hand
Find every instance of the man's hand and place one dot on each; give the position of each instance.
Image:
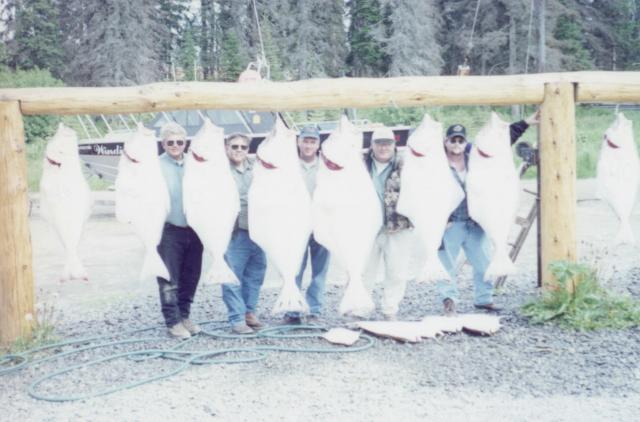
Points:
(534, 119)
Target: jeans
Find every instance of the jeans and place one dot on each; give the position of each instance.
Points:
(319, 267)
(470, 236)
(395, 250)
(181, 250)
(249, 264)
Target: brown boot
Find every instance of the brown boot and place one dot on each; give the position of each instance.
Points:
(252, 320)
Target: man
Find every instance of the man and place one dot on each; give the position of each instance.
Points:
(308, 147)
(462, 231)
(180, 247)
(393, 241)
(245, 258)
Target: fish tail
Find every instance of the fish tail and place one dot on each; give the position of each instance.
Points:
(290, 299)
(499, 266)
(153, 266)
(356, 300)
(625, 234)
(221, 273)
(73, 269)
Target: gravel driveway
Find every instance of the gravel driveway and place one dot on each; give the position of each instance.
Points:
(521, 373)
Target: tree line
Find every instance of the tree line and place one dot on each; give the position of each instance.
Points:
(125, 42)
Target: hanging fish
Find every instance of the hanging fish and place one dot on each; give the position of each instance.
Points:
(279, 212)
(210, 197)
(142, 197)
(618, 174)
(65, 198)
(346, 212)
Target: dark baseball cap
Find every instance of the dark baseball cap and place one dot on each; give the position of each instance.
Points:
(456, 130)
(310, 131)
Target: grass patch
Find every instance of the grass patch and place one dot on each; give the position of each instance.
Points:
(43, 331)
(580, 302)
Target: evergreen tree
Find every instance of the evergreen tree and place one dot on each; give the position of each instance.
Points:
(209, 36)
(188, 54)
(231, 59)
(413, 46)
(172, 22)
(118, 47)
(367, 56)
(37, 36)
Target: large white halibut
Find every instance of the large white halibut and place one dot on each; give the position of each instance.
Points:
(346, 212)
(210, 197)
(618, 173)
(492, 191)
(280, 212)
(428, 193)
(65, 199)
(142, 197)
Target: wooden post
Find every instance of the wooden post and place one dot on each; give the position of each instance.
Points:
(557, 177)
(16, 272)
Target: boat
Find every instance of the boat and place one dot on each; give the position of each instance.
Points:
(100, 153)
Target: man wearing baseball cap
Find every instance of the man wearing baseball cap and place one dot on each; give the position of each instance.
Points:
(308, 147)
(393, 240)
(462, 231)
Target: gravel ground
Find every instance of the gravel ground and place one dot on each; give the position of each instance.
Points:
(521, 373)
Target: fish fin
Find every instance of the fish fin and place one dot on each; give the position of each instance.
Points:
(433, 270)
(220, 273)
(499, 266)
(356, 300)
(153, 266)
(290, 300)
(74, 270)
(625, 234)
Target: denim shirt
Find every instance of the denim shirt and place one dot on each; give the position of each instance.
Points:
(173, 171)
(461, 213)
(380, 180)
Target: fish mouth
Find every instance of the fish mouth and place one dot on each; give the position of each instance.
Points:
(54, 162)
(415, 153)
(265, 164)
(610, 143)
(330, 164)
(197, 157)
(483, 154)
(133, 160)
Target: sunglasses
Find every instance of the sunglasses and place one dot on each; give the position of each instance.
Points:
(237, 147)
(384, 142)
(457, 140)
(179, 143)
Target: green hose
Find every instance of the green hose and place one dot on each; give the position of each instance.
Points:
(14, 362)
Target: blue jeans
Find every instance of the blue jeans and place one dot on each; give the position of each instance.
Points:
(181, 251)
(249, 264)
(319, 267)
(470, 236)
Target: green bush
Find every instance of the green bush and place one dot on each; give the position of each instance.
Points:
(35, 127)
(579, 302)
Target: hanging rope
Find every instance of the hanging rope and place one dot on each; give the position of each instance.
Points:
(464, 69)
(262, 60)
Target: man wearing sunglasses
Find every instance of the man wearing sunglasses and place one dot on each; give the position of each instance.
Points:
(462, 231)
(246, 259)
(393, 241)
(180, 247)
(308, 147)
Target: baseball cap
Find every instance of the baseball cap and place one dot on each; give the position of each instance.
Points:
(456, 130)
(310, 131)
(382, 133)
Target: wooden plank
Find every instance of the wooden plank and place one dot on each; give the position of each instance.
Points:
(557, 177)
(323, 93)
(16, 272)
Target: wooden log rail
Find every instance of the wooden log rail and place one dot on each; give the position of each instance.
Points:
(593, 87)
(557, 92)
